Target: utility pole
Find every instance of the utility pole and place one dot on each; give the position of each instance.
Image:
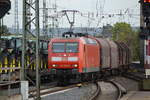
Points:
(0, 28)
(45, 18)
(16, 26)
(31, 28)
(142, 40)
(37, 50)
(22, 77)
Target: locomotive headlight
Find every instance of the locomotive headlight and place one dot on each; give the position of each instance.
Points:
(75, 65)
(54, 65)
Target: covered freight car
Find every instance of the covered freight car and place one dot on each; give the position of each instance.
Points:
(105, 53)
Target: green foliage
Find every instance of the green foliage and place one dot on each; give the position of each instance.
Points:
(123, 32)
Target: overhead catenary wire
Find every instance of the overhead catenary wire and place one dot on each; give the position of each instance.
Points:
(99, 3)
(96, 19)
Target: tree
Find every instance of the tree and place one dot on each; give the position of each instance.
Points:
(135, 45)
(123, 32)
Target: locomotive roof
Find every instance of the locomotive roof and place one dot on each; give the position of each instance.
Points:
(85, 40)
(63, 38)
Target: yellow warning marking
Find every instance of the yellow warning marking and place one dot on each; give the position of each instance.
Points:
(0, 67)
(5, 64)
(13, 64)
(19, 63)
(45, 66)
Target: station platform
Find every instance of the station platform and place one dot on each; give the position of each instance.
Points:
(137, 95)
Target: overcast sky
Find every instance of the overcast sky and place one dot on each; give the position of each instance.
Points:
(110, 7)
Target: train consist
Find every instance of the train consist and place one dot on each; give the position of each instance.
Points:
(84, 57)
(81, 57)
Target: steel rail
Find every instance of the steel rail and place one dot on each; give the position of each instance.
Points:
(120, 91)
(52, 91)
(97, 92)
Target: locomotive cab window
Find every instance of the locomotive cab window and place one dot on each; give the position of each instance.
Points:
(69, 47)
(58, 47)
(72, 47)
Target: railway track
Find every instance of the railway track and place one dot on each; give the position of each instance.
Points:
(52, 89)
(138, 76)
(14, 87)
(5, 85)
(135, 72)
(96, 93)
(120, 90)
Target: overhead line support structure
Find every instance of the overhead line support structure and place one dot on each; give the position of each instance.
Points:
(71, 22)
(31, 28)
(45, 18)
(16, 22)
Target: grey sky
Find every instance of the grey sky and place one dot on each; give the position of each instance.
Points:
(110, 7)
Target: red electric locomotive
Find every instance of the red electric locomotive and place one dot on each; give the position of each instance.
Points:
(85, 57)
(73, 56)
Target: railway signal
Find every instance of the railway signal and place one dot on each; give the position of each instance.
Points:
(147, 1)
(146, 8)
(145, 35)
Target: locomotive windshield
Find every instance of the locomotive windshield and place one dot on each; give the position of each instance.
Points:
(65, 47)
(58, 47)
(71, 47)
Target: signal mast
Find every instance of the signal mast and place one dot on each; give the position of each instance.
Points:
(145, 34)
